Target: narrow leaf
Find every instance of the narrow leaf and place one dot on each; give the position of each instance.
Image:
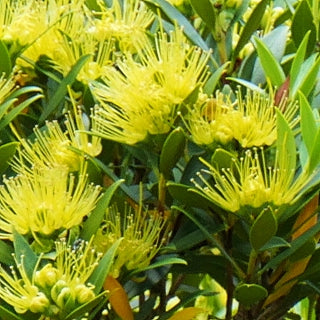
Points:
(303, 22)
(307, 123)
(24, 254)
(5, 60)
(250, 27)
(314, 157)
(17, 110)
(212, 82)
(5, 253)
(8, 315)
(269, 63)
(91, 225)
(298, 59)
(86, 308)
(7, 152)
(160, 263)
(204, 9)
(176, 16)
(99, 275)
(62, 90)
(286, 146)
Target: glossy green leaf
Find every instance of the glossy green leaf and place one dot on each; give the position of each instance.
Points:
(298, 60)
(6, 253)
(212, 239)
(161, 262)
(24, 254)
(99, 275)
(204, 9)
(92, 224)
(263, 229)
(286, 146)
(176, 16)
(247, 84)
(308, 124)
(302, 23)
(184, 195)
(171, 152)
(269, 63)
(250, 27)
(222, 158)
(87, 307)
(314, 157)
(212, 82)
(250, 294)
(9, 315)
(294, 246)
(306, 250)
(275, 243)
(62, 89)
(7, 152)
(5, 60)
(306, 79)
(17, 110)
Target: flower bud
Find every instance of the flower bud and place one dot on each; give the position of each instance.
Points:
(47, 276)
(57, 288)
(39, 303)
(83, 294)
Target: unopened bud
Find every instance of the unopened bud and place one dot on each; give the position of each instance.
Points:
(47, 276)
(39, 303)
(83, 294)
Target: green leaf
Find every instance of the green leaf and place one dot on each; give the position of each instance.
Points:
(269, 64)
(307, 123)
(161, 262)
(184, 195)
(304, 251)
(213, 81)
(176, 16)
(24, 254)
(294, 246)
(5, 60)
(17, 110)
(92, 224)
(171, 152)
(62, 89)
(250, 27)
(8, 315)
(286, 146)
(7, 152)
(307, 78)
(250, 294)
(302, 23)
(247, 84)
(263, 229)
(275, 243)
(204, 9)
(213, 240)
(298, 60)
(314, 157)
(5, 253)
(87, 307)
(99, 275)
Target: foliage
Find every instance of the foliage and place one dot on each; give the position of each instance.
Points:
(160, 159)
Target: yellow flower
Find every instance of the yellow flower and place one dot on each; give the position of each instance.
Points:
(20, 292)
(255, 119)
(45, 202)
(53, 147)
(141, 233)
(250, 182)
(126, 22)
(56, 289)
(141, 98)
